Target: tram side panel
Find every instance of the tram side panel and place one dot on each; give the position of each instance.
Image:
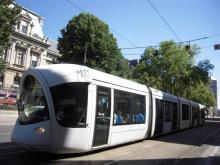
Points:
(165, 114)
(130, 118)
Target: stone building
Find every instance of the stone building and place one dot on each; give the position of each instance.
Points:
(28, 48)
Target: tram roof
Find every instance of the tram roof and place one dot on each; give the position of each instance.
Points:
(56, 74)
(163, 95)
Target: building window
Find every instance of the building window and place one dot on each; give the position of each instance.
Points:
(1, 80)
(49, 55)
(5, 54)
(48, 62)
(34, 60)
(24, 27)
(20, 53)
(17, 79)
(18, 25)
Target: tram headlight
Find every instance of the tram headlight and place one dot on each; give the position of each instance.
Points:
(39, 130)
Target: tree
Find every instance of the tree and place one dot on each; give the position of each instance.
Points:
(86, 40)
(201, 93)
(198, 84)
(171, 68)
(164, 68)
(8, 18)
(205, 68)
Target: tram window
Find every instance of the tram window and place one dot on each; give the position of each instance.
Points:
(175, 107)
(103, 102)
(70, 104)
(138, 108)
(32, 105)
(185, 112)
(194, 112)
(175, 110)
(159, 116)
(168, 111)
(174, 115)
(122, 107)
(160, 109)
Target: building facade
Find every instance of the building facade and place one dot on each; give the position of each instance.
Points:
(28, 48)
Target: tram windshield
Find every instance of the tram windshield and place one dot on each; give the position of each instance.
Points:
(32, 104)
(70, 104)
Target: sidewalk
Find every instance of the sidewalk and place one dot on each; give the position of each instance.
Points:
(8, 112)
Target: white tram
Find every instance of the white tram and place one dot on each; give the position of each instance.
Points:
(66, 108)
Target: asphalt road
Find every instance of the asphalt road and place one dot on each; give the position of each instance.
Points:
(7, 121)
(198, 146)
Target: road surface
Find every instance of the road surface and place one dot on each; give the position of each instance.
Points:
(198, 146)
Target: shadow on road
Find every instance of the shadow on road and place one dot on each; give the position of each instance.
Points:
(77, 159)
(205, 134)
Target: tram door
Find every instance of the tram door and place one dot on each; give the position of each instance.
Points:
(103, 116)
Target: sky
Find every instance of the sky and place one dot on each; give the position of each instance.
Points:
(134, 23)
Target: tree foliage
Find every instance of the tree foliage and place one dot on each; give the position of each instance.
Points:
(171, 68)
(164, 67)
(8, 18)
(86, 40)
(201, 93)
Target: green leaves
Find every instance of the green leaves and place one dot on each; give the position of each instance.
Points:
(86, 40)
(202, 94)
(165, 66)
(171, 68)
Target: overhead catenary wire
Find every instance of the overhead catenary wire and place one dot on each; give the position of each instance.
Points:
(164, 20)
(152, 46)
(182, 42)
(75, 5)
(140, 54)
(120, 35)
